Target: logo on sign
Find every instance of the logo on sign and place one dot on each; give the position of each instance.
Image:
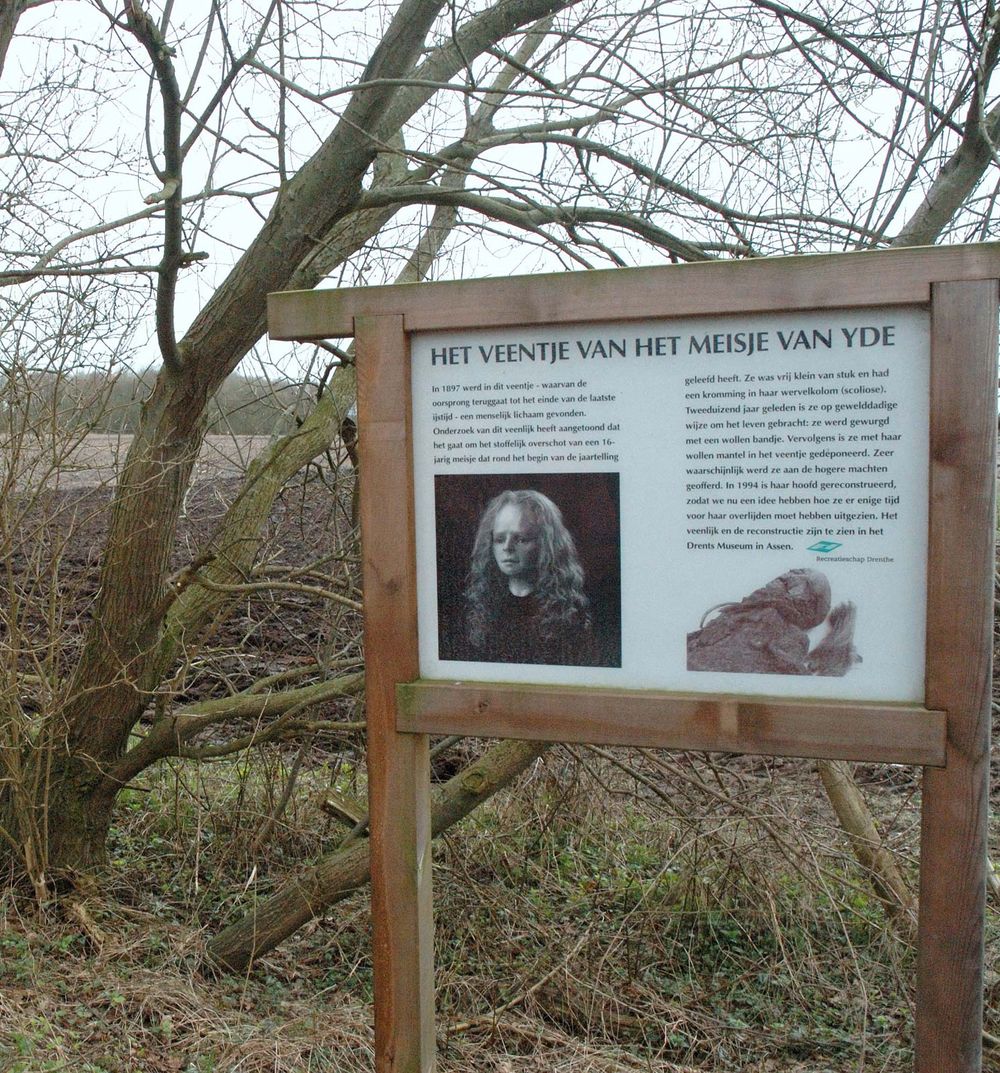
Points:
(824, 546)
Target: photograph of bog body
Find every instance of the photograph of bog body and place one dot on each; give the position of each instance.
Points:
(772, 630)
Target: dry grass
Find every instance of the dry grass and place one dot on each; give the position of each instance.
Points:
(125, 1009)
(700, 928)
(586, 924)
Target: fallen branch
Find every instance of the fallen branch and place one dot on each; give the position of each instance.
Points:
(339, 874)
(878, 862)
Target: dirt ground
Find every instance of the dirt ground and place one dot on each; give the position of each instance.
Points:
(98, 456)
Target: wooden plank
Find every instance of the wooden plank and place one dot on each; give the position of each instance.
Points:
(873, 278)
(902, 734)
(959, 669)
(398, 764)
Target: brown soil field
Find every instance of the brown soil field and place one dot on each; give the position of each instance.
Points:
(98, 457)
(64, 520)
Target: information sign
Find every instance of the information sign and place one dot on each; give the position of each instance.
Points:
(743, 506)
(742, 503)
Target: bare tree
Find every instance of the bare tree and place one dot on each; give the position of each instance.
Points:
(557, 132)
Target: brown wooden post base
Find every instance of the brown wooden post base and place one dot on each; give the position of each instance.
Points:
(949, 1019)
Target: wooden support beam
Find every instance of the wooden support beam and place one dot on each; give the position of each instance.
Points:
(959, 675)
(872, 278)
(837, 730)
(398, 764)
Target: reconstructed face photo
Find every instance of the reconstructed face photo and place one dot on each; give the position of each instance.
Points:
(515, 546)
(529, 568)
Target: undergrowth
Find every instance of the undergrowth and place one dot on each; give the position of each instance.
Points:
(615, 911)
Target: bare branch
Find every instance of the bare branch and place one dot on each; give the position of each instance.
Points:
(167, 737)
(533, 217)
(824, 28)
(245, 588)
(161, 57)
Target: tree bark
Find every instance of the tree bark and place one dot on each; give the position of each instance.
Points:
(340, 873)
(75, 818)
(10, 12)
(859, 824)
(956, 181)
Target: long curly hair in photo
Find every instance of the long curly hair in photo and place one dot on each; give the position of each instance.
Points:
(558, 593)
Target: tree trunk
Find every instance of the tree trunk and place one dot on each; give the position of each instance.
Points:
(859, 824)
(109, 687)
(79, 819)
(55, 824)
(10, 12)
(340, 873)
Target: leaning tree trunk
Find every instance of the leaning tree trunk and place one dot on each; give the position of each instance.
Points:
(339, 874)
(108, 690)
(869, 849)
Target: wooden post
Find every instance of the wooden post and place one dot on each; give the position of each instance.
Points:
(949, 1018)
(398, 764)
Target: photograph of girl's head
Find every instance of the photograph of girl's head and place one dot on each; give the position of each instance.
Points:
(523, 551)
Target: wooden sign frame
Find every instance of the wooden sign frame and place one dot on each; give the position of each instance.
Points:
(948, 735)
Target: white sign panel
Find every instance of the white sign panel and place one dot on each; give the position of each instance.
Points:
(724, 505)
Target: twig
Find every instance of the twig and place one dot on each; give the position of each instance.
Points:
(487, 1018)
(280, 586)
